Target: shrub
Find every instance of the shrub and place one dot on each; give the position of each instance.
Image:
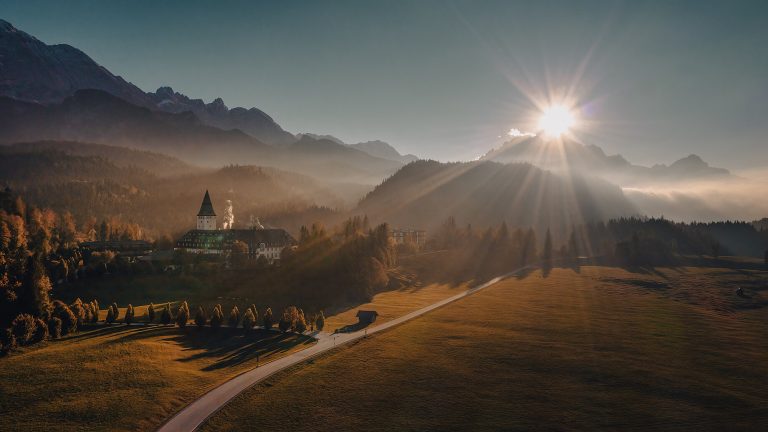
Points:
(95, 310)
(41, 331)
(269, 321)
(217, 318)
(8, 340)
(200, 317)
(249, 321)
(151, 313)
(54, 328)
(165, 317)
(111, 315)
(320, 321)
(67, 317)
(78, 309)
(301, 324)
(234, 317)
(23, 327)
(182, 315)
(129, 314)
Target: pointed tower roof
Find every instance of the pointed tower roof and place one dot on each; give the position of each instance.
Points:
(206, 208)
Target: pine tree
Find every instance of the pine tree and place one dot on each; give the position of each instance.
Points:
(249, 321)
(182, 314)
(165, 317)
(54, 328)
(128, 314)
(217, 318)
(320, 321)
(546, 257)
(95, 307)
(110, 315)
(200, 319)
(234, 317)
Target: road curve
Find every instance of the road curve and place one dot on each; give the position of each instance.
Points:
(194, 414)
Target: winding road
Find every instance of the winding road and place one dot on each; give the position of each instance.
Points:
(194, 414)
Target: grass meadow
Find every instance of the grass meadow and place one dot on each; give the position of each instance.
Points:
(594, 348)
(126, 378)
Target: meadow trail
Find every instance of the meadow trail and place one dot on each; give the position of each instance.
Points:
(194, 414)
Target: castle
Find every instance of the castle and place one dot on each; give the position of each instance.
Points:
(207, 238)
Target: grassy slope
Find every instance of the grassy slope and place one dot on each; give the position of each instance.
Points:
(603, 349)
(125, 378)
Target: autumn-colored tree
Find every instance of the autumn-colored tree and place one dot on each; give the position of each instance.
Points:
(234, 317)
(217, 318)
(41, 331)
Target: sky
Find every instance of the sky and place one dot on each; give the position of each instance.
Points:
(651, 80)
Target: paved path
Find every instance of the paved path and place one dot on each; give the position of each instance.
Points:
(194, 414)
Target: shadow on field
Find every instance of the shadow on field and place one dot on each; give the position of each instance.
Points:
(224, 347)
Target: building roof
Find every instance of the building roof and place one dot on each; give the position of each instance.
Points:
(206, 208)
(223, 239)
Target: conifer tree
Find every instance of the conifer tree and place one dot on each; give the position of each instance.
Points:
(182, 314)
(151, 313)
(320, 321)
(546, 257)
(200, 319)
(268, 319)
(249, 321)
(54, 328)
(128, 314)
(165, 317)
(234, 317)
(217, 318)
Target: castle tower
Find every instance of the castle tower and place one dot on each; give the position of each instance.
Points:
(206, 217)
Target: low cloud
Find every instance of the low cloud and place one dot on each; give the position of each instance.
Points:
(514, 132)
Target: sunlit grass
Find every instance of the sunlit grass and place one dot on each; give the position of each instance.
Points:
(601, 349)
(125, 378)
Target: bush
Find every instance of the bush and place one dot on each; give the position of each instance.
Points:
(78, 309)
(217, 318)
(200, 317)
(95, 310)
(23, 327)
(7, 340)
(129, 314)
(234, 317)
(249, 321)
(165, 317)
(320, 321)
(54, 328)
(269, 321)
(182, 315)
(301, 324)
(41, 331)
(111, 315)
(67, 317)
(151, 313)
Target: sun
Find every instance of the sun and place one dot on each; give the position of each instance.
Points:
(556, 120)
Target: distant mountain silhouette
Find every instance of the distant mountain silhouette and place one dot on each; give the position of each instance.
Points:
(34, 71)
(252, 121)
(566, 154)
(424, 193)
(384, 150)
(376, 148)
(98, 117)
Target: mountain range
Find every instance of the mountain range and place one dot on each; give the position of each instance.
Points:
(566, 154)
(55, 76)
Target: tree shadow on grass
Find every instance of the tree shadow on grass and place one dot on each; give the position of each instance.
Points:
(224, 347)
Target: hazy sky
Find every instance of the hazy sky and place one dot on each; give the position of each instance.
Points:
(654, 81)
